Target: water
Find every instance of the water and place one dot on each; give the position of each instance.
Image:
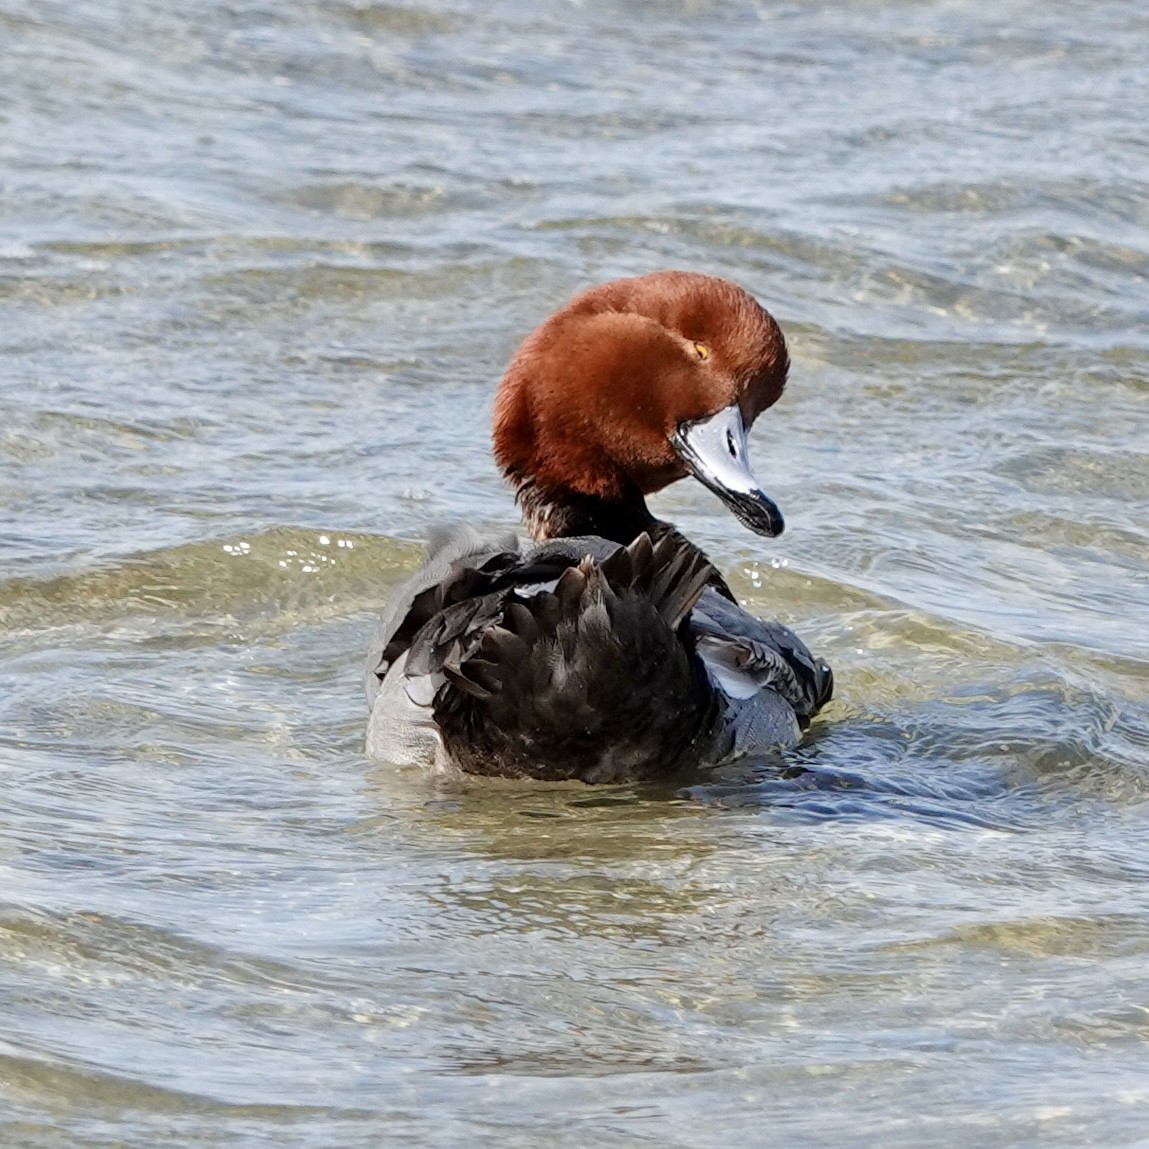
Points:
(260, 266)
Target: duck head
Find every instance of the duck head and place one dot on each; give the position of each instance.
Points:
(632, 385)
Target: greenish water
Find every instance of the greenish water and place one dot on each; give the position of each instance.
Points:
(260, 268)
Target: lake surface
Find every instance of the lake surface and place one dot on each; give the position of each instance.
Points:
(261, 266)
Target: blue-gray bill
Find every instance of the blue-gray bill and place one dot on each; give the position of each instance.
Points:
(714, 451)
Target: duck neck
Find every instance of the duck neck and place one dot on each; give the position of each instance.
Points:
(568, 514)
(551, 514)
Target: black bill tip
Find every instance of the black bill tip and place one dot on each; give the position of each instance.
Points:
(756, 510)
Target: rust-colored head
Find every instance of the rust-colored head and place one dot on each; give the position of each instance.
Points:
(592, 400)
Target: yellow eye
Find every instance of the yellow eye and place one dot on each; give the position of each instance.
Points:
(703, 350)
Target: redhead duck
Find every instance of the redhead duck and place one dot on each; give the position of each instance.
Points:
(611, 650)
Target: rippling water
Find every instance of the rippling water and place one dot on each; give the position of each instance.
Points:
(260, 267)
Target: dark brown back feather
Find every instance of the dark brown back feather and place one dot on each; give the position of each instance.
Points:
(594, 679)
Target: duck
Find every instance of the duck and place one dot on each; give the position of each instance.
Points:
(609, 649)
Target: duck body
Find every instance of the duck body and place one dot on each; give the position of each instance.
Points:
(581, 659)
(611, 650)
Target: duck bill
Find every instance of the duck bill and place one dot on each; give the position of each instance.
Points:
(714, 451)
